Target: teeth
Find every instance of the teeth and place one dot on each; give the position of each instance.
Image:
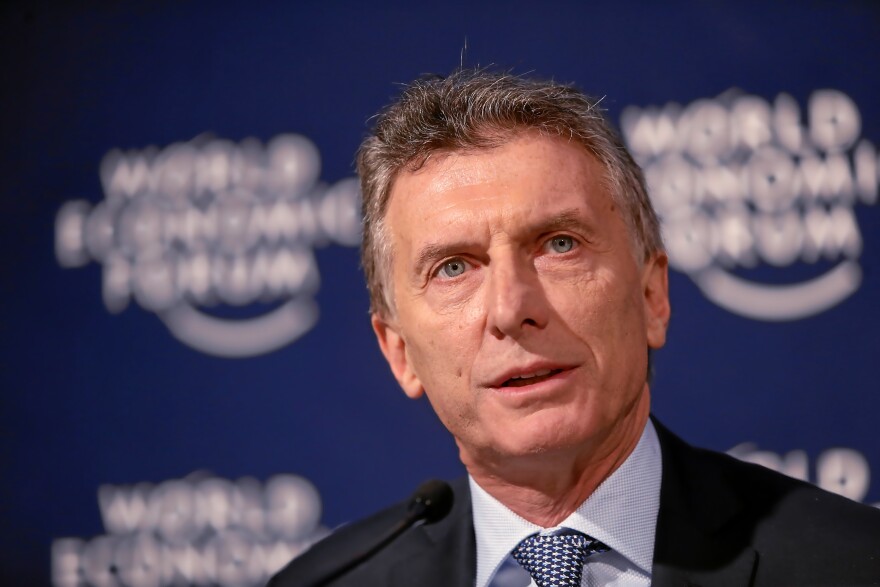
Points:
(540, 373)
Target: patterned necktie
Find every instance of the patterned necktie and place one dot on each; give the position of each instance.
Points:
(557, 559)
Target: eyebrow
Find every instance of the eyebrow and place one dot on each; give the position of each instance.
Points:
(432, 251)
(569, 218)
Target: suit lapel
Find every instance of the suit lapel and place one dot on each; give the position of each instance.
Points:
(735, 573)
(699, 540)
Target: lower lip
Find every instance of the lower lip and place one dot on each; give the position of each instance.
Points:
(527, 393)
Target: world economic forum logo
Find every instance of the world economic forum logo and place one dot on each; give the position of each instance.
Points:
(196, 226)
(740, 182)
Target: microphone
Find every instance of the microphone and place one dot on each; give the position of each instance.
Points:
(430, 503)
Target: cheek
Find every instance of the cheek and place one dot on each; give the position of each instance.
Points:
(605, 314)
(446, 378)
(454, 332)
(442, 341)
(439, 357)
(582, 305)
(451, 298)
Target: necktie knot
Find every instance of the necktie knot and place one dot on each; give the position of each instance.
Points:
(557, 559)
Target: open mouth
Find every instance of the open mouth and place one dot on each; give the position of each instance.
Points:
(531, 378)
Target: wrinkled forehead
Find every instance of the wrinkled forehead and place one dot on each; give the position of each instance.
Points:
(556, 163)
(553, 160)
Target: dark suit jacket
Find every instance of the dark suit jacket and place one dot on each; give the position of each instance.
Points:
(722, 522)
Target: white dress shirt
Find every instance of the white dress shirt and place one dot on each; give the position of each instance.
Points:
(621, 512)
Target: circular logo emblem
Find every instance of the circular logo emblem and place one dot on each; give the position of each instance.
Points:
(740, 182)
(210, 223)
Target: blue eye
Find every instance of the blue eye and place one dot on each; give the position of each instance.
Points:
(452, 268)
(561, 244)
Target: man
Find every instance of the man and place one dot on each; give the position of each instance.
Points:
(518, 279)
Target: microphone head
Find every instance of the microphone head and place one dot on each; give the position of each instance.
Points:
(432, 501)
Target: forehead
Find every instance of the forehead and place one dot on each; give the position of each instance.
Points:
(526, 175)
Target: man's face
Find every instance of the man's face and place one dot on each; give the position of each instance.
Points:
(520, 307)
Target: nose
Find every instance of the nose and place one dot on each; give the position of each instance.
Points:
(516, 299)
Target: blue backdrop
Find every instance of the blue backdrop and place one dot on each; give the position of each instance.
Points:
(92, 398)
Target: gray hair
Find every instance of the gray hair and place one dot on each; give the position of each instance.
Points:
(477, 109)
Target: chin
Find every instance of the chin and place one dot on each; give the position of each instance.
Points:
(545, 438)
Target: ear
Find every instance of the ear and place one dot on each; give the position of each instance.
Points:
(655, 287)
(394, 348)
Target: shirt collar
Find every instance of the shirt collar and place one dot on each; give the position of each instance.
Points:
(621, 512)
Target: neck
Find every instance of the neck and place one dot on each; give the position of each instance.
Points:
(545, 489)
